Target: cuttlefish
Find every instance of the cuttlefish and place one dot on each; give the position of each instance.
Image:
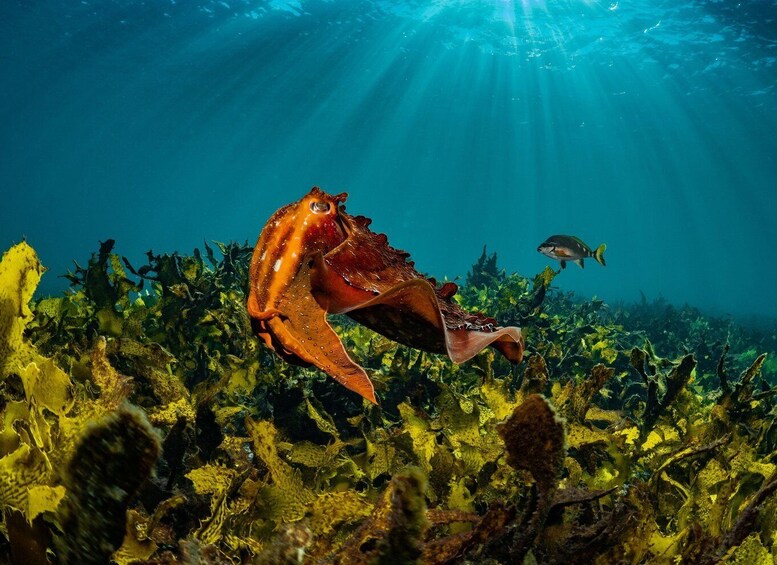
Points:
(314, 259)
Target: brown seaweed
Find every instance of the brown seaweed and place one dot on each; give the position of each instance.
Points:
(109, 465)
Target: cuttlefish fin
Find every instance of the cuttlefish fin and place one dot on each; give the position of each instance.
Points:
(303, 332)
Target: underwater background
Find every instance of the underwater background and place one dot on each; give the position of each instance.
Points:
(645, 125)
(150, 414)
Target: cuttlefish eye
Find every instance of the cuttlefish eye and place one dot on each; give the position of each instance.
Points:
(318, 207)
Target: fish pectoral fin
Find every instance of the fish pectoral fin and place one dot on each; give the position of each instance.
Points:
(580, 262)
(563, 264)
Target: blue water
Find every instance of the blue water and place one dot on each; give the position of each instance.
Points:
(647, 125)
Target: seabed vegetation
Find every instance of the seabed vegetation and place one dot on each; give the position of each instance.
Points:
(142, 422)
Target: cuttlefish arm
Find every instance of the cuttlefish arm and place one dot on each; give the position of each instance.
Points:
(378, 287)
(297, 329)
(411, 313)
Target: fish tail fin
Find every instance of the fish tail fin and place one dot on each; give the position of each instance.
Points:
(599, 254)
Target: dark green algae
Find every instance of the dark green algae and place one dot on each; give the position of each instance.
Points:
(642, 433)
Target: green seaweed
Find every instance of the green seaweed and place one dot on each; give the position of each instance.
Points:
(653, 441)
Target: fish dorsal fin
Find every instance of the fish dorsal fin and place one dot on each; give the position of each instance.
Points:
(581, 242)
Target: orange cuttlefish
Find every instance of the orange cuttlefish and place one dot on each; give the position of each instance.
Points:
(313, 259)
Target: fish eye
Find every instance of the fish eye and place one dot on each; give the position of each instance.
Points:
(318, 207)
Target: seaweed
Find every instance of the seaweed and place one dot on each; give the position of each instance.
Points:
(640, 433)
(535, 440)
(113, 458)
(393, 532)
